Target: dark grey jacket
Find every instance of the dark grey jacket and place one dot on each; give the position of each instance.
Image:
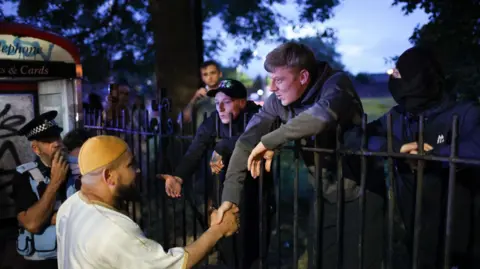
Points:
(330, 100)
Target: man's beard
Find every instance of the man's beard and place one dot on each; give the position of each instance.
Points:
(126, 193)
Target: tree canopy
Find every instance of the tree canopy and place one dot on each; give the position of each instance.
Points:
(111, 35)
(454, 34)
(117, 35)
(324, 49)
(235, 73)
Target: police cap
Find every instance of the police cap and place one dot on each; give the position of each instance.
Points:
(42, 127)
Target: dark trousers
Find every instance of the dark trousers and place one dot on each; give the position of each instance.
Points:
(46, 264)
(242, 250)
(464, 222)
(373, 237)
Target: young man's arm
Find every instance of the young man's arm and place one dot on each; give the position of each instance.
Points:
(203, 138)
(260, 124)
(226, 146)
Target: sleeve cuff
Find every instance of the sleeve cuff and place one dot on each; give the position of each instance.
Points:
(443, 151)
(396, 145)
(274, 139)
(221, 148)
(232, 197)
(177, 173)
(185, 259)
(378, 144)
(177, 252)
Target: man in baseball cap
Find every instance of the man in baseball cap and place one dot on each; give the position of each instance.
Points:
(231, 100)
(231, 87)
(234, 111)
(93, 232)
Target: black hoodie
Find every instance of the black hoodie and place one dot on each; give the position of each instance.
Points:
(420, 90)
(205, 139)
(330, 100)
(419, 83)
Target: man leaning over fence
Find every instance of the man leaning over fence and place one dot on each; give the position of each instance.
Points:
(310, 99)
(93, 232)
(418, 86)
(233, 111)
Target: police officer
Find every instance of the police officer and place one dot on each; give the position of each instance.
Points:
(38, 190)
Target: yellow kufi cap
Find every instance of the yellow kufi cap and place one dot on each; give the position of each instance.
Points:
(100, 151)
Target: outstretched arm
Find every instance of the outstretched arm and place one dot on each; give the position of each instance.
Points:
(260, 124)
(192, 158)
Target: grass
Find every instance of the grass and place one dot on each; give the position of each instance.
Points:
(376, 107)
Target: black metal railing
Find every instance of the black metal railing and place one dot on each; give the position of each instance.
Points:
(158, 147)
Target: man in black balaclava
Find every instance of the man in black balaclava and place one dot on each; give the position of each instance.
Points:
(418, 86)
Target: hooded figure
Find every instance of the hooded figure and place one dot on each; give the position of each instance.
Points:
(418, 86)
(418, 82)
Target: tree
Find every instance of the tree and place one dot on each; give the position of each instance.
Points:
(236, 73)
(111, 35)
(363, 78)
(324, 49)
(454, 34)
(162, 36)
(258, 83)
(255, 20)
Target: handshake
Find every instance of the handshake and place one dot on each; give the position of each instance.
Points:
(225, 221)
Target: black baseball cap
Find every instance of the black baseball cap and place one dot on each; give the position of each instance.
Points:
(230, 87)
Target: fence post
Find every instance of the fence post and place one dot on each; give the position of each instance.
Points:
(390, 192)
(451, 193)
(340, 199)
(363, 180)
(418, 199)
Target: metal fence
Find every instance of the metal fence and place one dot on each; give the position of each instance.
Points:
(158, 145)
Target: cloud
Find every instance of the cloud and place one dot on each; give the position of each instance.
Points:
(351, 50)
(9, 8)
(295, 31)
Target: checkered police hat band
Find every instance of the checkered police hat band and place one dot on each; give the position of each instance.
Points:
(41, 128)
